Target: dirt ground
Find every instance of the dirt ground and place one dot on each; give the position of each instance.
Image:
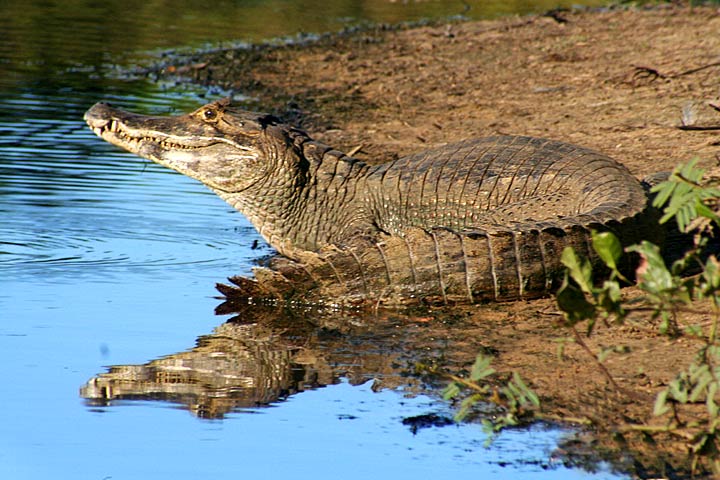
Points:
(618, 81)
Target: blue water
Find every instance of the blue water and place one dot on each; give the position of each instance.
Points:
(108, 260)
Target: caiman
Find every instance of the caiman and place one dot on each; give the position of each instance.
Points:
(483, 219)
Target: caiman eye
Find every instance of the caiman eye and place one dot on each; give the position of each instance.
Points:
(210, 115)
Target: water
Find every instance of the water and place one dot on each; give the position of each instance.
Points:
(108, 260)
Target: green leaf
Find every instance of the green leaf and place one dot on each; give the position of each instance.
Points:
(663, 190)
(613, 290)
(710, 280)
(704, 211)
(608, 247)
(489, 429)
(481, 368)
(712, 407)
(602, 356)
(689, 173)
(684, 196)
(665, 326)
(661, 407)
(579, 270)
(698, 390)
(573, 303)
(698, 372)
(512, 392)
(451, 391)
(693, 330)
(656, 278)
(509, 420)
(678, 391)
(527, 392)
(609, 300)
(466, 407)
(700, 442)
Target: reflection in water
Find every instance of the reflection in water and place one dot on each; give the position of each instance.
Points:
(237, 366)
(264, 355)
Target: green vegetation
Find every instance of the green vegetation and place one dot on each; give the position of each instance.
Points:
(512, 396)
(668, 292)
(688, 407)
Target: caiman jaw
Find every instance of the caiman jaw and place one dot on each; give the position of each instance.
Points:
(117, 133)
(193, 144)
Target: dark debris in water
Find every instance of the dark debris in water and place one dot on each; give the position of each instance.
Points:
(426, 420)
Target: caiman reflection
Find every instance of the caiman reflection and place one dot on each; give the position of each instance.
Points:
(264, 356)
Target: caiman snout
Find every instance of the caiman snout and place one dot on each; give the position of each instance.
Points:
(99, 116)
(111, 124)
(118, 126)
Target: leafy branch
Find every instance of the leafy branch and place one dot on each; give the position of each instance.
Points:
(668, 292)
(514, 399)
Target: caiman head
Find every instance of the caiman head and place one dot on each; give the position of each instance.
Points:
(222, 146)
(252, 160)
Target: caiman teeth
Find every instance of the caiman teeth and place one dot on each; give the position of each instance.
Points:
(114, 127)
(120, 133)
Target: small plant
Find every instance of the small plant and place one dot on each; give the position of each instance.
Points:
(513, 397)
(686, 199)
(667, 294)
(512, 402)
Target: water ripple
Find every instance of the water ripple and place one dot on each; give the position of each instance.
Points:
(72, 205)
(99, 252)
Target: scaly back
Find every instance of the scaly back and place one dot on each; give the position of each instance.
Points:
(506, 181)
